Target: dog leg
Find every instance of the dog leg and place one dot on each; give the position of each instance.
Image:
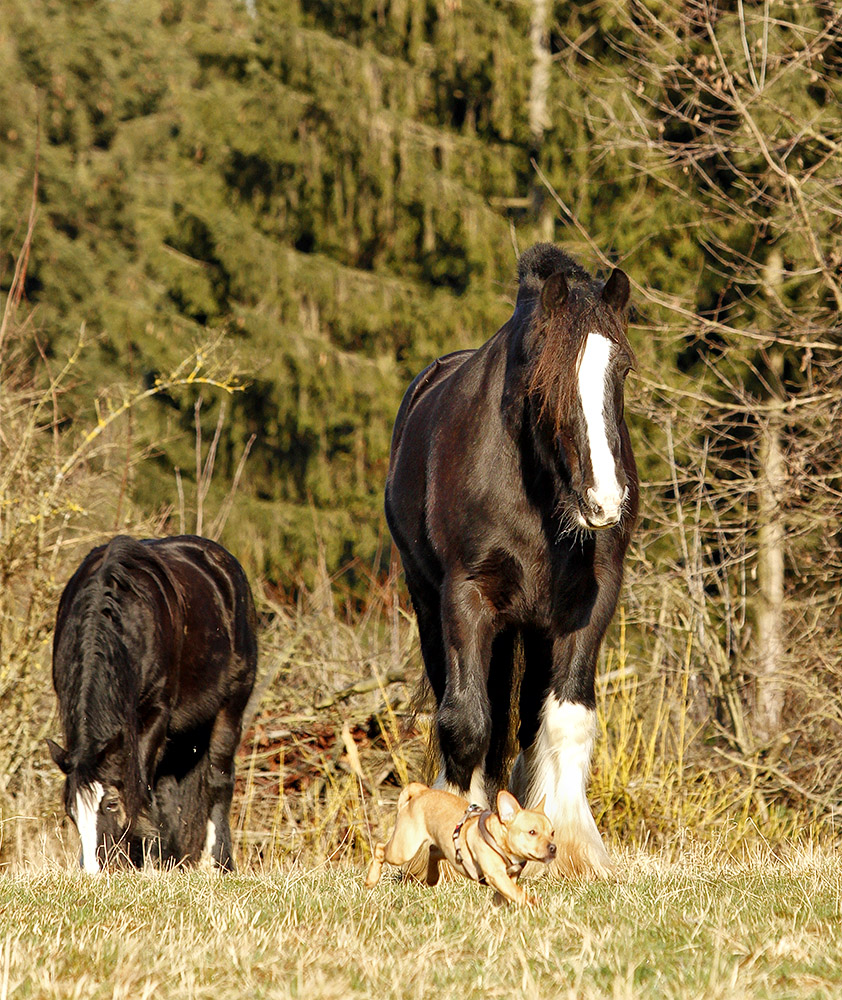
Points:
(507, 889)
(376, 866)
(402, 847)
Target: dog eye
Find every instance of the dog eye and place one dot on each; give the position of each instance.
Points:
(531, 833)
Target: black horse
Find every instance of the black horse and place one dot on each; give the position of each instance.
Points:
(154, 659)
(511, 496)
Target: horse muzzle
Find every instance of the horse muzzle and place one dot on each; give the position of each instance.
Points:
(600, 512)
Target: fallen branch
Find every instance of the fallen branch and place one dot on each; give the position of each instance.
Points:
(362, 687)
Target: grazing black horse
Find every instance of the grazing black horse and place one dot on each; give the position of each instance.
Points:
(154, 659)
(511, 496)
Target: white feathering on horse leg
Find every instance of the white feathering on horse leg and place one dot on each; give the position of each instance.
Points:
(210, 838)
(559, 766)
(476, 793)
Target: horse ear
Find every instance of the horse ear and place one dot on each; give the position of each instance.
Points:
(554, 292)
(59, 755)
(507, 806)
(617, 290)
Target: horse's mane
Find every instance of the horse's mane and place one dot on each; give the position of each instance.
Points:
(104, 683)
(559, 335)
(125, 558)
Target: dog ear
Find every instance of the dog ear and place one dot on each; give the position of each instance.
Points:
(507, 806)
(540, 807)
(59, 755)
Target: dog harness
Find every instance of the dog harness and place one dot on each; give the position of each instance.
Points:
(472, 810)
(513, 868)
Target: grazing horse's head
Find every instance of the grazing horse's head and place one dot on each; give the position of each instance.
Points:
(579, 356)
(100, 796)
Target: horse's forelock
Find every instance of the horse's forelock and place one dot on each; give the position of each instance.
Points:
(558, 338)
(111, 760)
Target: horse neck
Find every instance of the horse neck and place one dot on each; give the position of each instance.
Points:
(104, 696)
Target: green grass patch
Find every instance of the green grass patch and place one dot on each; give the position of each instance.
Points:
(762, 927)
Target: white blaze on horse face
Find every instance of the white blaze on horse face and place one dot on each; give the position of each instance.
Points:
(88, 798)
(593, 388)
(559, 768)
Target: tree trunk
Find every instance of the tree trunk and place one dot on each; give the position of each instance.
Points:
(771, 483)
(770, 576)
(539, 117)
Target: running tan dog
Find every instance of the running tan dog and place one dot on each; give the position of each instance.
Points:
(491, 848)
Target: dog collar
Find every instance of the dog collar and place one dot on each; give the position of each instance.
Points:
(512, 867)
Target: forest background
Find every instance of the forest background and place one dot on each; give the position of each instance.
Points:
(230, 235)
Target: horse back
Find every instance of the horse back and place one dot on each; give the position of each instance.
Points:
(218, 625)
(433, 375)
(179, 610)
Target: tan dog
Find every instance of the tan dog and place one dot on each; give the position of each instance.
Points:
(485, 846)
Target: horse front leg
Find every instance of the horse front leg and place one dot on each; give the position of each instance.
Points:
(224, 740)
(558, 765)
(464, 712)
(554, 765)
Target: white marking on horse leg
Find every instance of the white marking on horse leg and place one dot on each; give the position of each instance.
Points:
(88, 798)
(593, 386)
(559, 767)
(210, 838)
(476, 793)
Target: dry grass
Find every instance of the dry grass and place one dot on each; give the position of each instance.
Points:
(761, 927)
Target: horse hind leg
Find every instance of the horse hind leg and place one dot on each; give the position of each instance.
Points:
(502, 680)
(537, 653)
(464, 714)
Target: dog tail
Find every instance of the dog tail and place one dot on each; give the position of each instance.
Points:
(412, 790)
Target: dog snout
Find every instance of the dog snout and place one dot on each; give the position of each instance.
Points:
(551, 849)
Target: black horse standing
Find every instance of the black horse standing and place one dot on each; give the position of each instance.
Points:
(154, 659)
(511, 496)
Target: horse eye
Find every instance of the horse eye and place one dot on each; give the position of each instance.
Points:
(111, 806)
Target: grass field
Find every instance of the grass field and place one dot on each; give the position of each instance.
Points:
(701, 906)
(761, 927)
